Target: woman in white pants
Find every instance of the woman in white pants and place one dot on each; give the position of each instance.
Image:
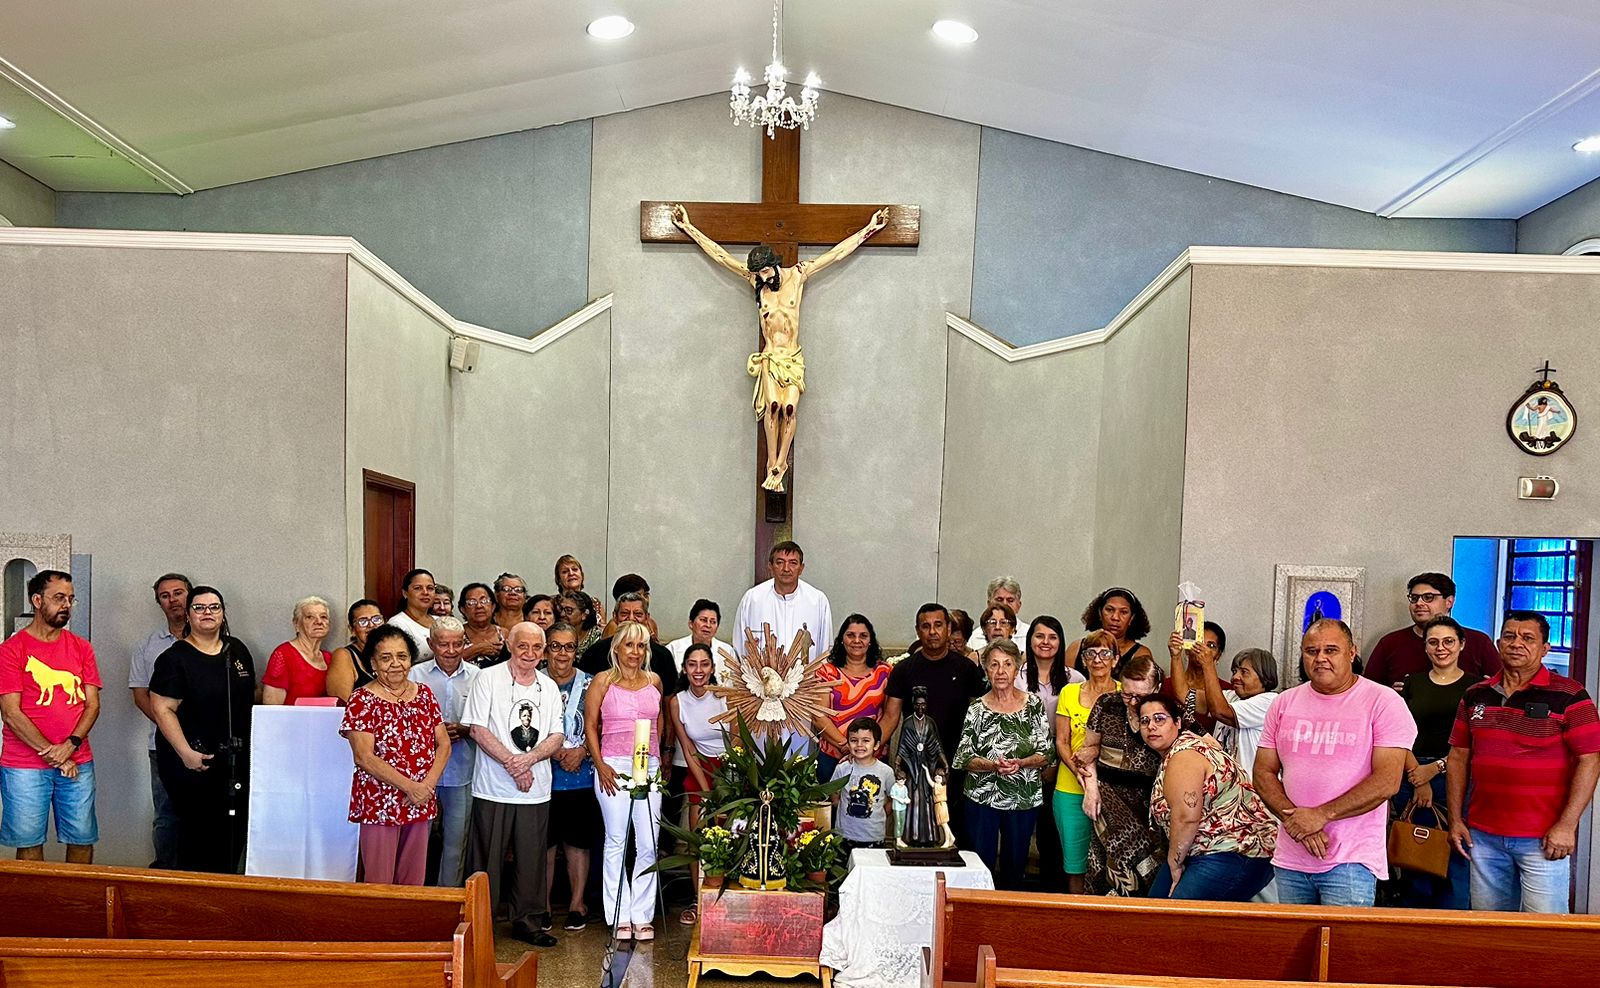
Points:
(618, 700)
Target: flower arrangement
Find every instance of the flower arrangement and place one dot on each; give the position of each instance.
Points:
(819, 851)
(654, 782)
(718, 850)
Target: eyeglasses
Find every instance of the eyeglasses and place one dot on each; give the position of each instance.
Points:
(206, 608)
(514, 591)
(61, 598)
(369, 622)
(1155, 720)
(1097, 653)
(557, 647)
(1423, 598)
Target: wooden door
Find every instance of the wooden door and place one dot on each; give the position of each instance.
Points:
(390, 536)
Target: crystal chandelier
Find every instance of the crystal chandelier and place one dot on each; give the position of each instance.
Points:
(776, 108)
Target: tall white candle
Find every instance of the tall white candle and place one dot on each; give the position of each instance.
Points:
(641, 750)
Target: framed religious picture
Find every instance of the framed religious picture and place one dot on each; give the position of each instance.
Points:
(1303, 594)
(1542, 420)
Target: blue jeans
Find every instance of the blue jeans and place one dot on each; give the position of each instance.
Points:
(27, 795)
(1344, 885)
(1226, 876)
(1511, 874)
(1420, 891)
(1000, 838)
(455, 810)
(826, 763)
(164, 826)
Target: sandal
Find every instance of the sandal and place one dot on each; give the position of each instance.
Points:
(689, 917)
(624, 932)
(645, 932)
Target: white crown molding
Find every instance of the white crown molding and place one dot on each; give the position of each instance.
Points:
(543, 339)
(91, 126)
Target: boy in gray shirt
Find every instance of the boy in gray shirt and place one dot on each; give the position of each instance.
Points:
(861, 810)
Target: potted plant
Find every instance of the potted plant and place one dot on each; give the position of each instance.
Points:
(818, 851)
(716, 850)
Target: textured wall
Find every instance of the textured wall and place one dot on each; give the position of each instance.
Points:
(24, 202)
(1554, 227)
(174, 410)
(1321, 433)
(1139, 486)
(531, 433)
(1066, 236)
(1021, 454)
(398, 409)
(493, 229)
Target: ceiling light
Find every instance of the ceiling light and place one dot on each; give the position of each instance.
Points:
(1588, 144)
(777, 108)
(955, 32)
(610, 28)
(6, 123)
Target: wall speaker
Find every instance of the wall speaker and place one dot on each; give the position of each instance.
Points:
(1537, 488)
(463, 354)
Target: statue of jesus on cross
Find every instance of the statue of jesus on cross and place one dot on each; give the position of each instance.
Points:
(779, 369)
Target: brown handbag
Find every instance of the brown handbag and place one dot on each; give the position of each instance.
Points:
(1416, 847)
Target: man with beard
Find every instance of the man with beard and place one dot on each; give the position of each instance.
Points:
(172, 594)
(779, 369)
(49, 699)
(1400, 653)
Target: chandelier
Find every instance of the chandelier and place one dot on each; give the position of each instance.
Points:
(777, 108)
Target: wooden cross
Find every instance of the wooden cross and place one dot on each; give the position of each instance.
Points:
(783, 223)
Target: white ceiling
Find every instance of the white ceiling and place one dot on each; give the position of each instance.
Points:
(1401, 107)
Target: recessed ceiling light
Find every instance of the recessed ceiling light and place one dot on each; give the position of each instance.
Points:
(6, 123)
(610, 28)
(955, 32)
(1588, 144)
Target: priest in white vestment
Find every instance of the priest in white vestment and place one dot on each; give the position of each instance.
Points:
(786, 603)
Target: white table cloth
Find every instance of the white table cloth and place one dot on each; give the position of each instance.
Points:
(300, 771)
(886, 918)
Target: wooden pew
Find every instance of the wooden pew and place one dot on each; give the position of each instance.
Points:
(991, 975)
(94, 902)
(43, 963)
(1149, 937)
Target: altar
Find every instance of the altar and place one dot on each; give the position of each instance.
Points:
(886, 918)
(300, 770)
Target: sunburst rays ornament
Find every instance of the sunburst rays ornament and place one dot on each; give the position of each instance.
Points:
(770, 687)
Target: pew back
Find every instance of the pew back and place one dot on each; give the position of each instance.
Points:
(51, 963)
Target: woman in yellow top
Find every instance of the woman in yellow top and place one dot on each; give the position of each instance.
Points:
(1099, 656)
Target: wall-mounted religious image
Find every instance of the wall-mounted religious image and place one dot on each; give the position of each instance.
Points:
(525, 736)
(1303, 594)
(1542, 420)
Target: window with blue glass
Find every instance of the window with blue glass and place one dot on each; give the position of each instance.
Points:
(1544, 575)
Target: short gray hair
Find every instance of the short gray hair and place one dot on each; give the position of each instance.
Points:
(1004, 646)
(1003, 583)
(625, 598)
(447, 624)
(305, 602)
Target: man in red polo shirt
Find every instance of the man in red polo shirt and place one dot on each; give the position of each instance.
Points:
(1400, 653)
(1528, 742)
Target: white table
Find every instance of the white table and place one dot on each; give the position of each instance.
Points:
(886, 918)
(300, 771)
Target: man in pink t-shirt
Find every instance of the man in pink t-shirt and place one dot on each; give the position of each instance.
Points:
(50, 698)
(1331, 754)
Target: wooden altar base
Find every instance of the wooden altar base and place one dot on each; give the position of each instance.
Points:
(743, 932)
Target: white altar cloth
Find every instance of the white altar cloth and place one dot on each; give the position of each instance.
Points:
(886, 918)
(300, 771)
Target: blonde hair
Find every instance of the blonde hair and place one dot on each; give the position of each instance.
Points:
(628, 632)
(305, 602)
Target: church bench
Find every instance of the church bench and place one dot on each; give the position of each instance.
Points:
(95, 902)
(47, 962)
(991, 975)
(1151, 937)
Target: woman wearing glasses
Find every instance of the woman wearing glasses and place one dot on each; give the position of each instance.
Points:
(577, 608)
(347, 670)
(509, 592)
(1073, 706)
(201, 693)
(1219, 833)
(486, 642)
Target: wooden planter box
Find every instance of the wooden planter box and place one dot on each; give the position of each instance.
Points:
(743, 932)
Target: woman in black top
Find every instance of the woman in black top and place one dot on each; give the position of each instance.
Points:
(201, 693)
(348, 670)
(1118, 611)
(1433, 698)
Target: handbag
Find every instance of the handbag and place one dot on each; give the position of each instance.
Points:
(1420, 848)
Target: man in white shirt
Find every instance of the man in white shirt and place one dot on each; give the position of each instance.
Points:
(417, 616)
(514, 718)
(785, 604)
(705, 617)
(1003, 590)
(450, 678)
(172, 593)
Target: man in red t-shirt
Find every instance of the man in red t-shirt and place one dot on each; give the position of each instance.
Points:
(1400, 653)
(49, 698)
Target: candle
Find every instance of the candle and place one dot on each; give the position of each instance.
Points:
(641, 750)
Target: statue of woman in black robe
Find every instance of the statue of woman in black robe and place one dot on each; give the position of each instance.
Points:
(917, 758)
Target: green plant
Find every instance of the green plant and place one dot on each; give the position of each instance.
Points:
(819, 850)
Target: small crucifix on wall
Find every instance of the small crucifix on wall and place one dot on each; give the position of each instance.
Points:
(780, 224)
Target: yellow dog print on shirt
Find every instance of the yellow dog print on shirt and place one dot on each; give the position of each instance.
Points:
(47, 679)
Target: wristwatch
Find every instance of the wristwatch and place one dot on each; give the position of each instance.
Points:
(75, 741)
(1441, 764)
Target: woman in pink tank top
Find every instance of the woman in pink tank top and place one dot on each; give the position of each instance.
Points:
(617, 701)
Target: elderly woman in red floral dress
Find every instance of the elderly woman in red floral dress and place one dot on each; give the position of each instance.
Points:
(397, 733)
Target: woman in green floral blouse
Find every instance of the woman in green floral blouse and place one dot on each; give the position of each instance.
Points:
(1005, 745)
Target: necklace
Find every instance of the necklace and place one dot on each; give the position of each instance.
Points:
(395, 696)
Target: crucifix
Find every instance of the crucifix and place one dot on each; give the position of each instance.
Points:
(783, 224)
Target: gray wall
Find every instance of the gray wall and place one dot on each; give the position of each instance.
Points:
(397, 415)
(1139, 486)
(1320, 433)
(1554, 227)
(145, 428)
(1067, 236)
(24, 202)
(492, 229)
